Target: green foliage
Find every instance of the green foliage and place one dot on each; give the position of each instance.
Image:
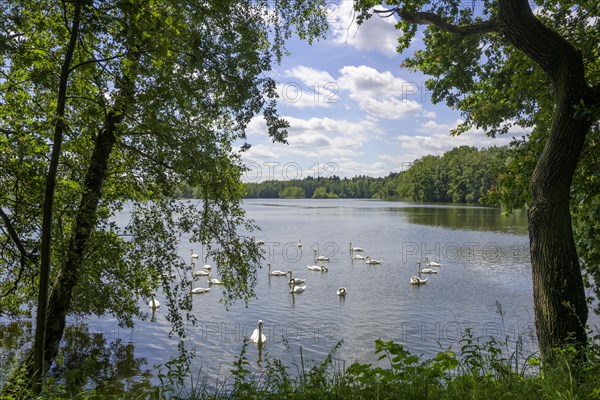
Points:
(292, 192)
(461, 175)
(175, 85)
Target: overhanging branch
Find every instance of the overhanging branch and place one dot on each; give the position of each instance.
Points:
(428, 18)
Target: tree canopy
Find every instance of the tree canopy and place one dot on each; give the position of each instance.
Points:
(109, 106)
(505, 67)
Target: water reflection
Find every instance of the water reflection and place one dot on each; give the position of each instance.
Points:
(86, 360)
(472, 218)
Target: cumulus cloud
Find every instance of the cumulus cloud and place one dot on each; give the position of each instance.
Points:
(375, 35)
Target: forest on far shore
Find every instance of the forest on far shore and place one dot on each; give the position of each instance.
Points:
(462, 175)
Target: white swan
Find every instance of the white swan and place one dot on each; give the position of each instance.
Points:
(299, 244)
(169, 276)
(320, 258)
(276, 273)
(415, 280)
(358, 257)
(153, 303)
(369, 261)
(198, 273)
(320, 268)
(212, 281)
(341, 291)
(297, 289)
(206, 264)
(259, 242)
(200, 290)
(296, 281)
(432, 263)
(194, 255)
(257, 335)
(355, 249)
(426, 270)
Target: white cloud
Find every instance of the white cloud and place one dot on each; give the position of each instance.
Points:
(309, 76)
(379, 94)
(368, 81)
(376, 34)
(438, 140)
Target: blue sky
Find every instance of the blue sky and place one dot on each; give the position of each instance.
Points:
(352, 109)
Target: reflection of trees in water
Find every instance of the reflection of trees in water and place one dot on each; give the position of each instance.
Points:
(476, 218)
(85, 361)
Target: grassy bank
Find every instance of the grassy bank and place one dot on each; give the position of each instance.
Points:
(477, 371)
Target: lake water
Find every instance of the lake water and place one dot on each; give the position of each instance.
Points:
(484, 284)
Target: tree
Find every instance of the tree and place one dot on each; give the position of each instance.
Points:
(503, 66)
(117, 104)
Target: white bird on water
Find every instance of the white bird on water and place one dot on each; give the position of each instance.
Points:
(320, 258)
(200, 290)
(296, 281)
(257, 335)
(341, 291)
(297, 289)
(426, 270)
(415, 280)
(194, 255)
(432, 263)
(369, 261)
(358, 257)
(206, 264)
(276, 273)
(212, 281)
(299, 244)
(355, 249)
(320, 268)
(198, 273)
(153, 303)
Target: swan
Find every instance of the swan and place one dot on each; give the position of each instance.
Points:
(369, 261)
(276, 273)
(296, 281)
(358, 257)
(168, 276)
(432, 263)
(194, 255)
(320, 258)
(299, 244)
(297, 289)
(426, 270)
(206, 264)
(320, 268)
(257, 335)
(198, 273)
(153, 303)
(199, 290)
(357, 249)
(341, 291)
(415, 280)
(259, 242)
(212, 281)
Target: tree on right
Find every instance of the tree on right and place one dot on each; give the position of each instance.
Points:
(507, 65)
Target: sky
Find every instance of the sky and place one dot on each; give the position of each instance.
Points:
(353, 110)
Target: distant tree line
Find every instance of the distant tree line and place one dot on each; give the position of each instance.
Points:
(461, 175)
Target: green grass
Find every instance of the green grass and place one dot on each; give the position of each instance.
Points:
(479, 371)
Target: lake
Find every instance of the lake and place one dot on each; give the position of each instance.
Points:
(484, 285)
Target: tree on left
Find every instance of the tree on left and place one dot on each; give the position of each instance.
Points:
(109, 106)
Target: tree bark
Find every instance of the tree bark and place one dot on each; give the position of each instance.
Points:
(46, 235)
(559, 298)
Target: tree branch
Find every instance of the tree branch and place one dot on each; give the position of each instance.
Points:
(429, 18)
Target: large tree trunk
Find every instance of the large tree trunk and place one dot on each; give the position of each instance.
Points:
(559, 298)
